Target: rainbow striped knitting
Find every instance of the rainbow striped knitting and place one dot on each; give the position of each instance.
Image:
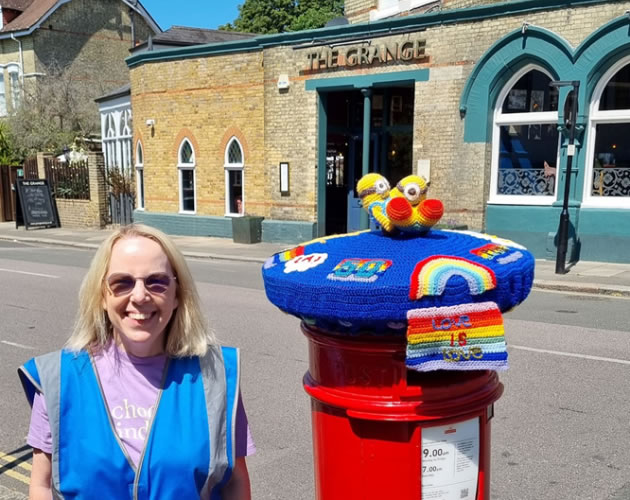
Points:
(462, 337)
(431, 276)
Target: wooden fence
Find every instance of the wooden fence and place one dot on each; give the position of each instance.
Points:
(68, 181)
(30, 168)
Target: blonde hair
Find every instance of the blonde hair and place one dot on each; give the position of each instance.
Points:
(186, 333)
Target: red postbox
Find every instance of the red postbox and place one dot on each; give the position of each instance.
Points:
(405, 337)
(382, 431)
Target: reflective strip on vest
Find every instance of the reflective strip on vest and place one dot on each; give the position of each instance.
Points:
(199, 398)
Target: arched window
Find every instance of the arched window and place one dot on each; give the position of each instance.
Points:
(525, 141)
(186, 167)
(608, 154)
(140, 176)
(124, 139)
(234, 178)
(111, 158)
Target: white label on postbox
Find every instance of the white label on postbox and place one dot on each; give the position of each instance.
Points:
(450, 461)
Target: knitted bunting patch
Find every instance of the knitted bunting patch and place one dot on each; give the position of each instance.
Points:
(462, 337)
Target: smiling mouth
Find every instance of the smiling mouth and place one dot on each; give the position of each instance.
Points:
(139, 316)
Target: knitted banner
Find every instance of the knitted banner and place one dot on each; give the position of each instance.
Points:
(463, 337)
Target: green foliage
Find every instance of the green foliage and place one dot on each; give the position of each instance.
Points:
(278, 16)
(53, 112)
(8, 153)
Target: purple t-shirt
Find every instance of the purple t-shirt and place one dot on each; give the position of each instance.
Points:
(130, 385)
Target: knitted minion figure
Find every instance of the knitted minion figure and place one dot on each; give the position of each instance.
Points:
(409, 210)
(374, 189)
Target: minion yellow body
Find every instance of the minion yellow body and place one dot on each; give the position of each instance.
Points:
(409, 210)
(374, 192)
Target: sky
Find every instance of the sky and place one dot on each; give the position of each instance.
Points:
(193, 13)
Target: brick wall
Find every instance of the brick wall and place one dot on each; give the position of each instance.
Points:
(290, 136)
(210, 95)
(209, 100)
(92, 213)
(359, 10)
(90, 38)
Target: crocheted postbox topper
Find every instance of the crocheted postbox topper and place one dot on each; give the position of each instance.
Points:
(443, 290)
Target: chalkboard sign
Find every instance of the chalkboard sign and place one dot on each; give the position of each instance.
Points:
(34, 204)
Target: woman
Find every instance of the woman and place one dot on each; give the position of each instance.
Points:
(142, 403)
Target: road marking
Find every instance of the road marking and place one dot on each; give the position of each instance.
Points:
(611, 295)
(12, 473)
(15, 344)
(572, 355)
(10, 459)
(31, 274)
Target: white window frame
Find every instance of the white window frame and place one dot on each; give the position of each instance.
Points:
(3, 94)
(140, 204)
(181, 166)
(390, 8)
(111, 159)
(228, 167)
(597, 117)
(530, 118)
(124, 139)
(16, 90)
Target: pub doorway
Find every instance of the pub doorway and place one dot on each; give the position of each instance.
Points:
(391, 148)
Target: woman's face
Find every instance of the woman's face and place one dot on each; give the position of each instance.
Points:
(139, 315)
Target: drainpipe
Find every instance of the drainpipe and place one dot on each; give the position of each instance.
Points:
(133, 27)
(21, 58)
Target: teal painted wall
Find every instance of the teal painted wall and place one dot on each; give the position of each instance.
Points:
(604, 235)
(186, 225)
(367, 81)
(528, 226)
(594, 234)
(273, 231)
(291, 232)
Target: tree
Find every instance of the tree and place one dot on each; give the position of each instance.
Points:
(53, 112)
(278, 16)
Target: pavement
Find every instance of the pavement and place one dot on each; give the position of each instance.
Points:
(604, 278)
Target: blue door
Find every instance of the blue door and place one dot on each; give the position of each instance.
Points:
(355, 170)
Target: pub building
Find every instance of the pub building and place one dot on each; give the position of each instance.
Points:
(282, 126)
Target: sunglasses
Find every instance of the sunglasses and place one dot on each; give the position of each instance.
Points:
(120, 284)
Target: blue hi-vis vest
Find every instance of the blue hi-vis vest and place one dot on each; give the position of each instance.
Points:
(189, 450)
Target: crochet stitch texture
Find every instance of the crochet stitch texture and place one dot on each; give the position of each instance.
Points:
(369, 281)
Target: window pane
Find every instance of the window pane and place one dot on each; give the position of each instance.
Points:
(611, 163)
(531, 94)
(186, 153)
(188, 190)
(3, 97)
(401, 106)
(527, 157)
(235, 155)
(15, 90)
(617, 93)
(235, 191)
(140, 188)
(139, 158)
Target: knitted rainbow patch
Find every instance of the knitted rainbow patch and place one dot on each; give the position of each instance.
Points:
(287, 255)
(431, 275)
(462, 337)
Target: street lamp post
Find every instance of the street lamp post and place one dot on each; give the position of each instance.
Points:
(570, 123)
